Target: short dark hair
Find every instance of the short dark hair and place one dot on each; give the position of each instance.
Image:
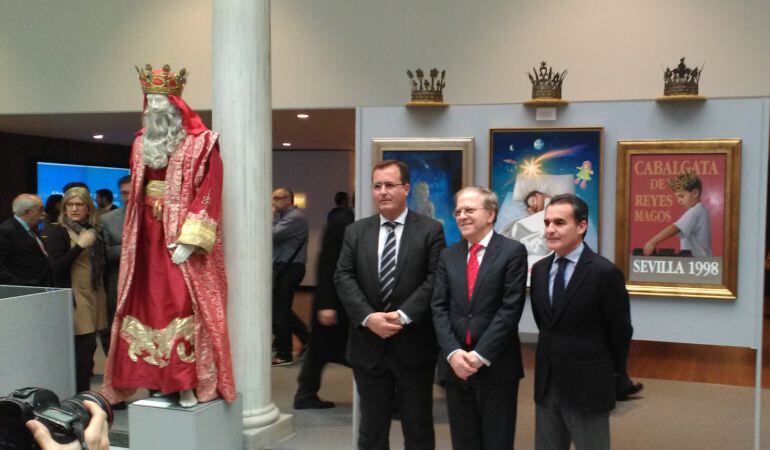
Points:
(73, 184)
(402, 167)
(105, 194)
(340, 198)
(530, 195)
(579, 207)
(123, 180)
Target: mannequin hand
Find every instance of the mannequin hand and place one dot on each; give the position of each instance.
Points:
(181, 253)
(86, 238)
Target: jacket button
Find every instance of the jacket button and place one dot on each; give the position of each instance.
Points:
(470, 315)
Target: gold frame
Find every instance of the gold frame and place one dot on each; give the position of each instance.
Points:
(731, 148)
(464, 145)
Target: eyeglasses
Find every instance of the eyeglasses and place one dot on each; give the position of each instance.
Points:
(73, 205)
(387, 186)
(466, 211)
(276, 198)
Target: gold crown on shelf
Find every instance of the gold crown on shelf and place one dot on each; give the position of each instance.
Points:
(684, 181)
(681, 80)
(545, 83)
(161, 81)
(424, 90)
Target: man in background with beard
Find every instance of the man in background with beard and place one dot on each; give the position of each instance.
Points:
(170, 331)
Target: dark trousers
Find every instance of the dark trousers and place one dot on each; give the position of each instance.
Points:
(111, 286)
(309, 379)
(378, 388)
(556, 427)
(482, 415)
(85, 347)
(286, 279)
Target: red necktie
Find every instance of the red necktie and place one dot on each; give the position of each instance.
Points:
(472, 272)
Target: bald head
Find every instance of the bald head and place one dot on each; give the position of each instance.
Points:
(29, 208)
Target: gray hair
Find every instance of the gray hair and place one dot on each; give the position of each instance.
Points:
(490, 198)
(24, 202)
(163, 131)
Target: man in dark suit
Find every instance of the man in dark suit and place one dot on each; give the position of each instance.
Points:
(384, 278)
(23, 260)
(477, 303)
(581, 307)
(330, 323)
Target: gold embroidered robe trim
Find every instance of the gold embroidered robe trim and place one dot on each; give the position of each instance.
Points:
(199, 230)
(155, 346)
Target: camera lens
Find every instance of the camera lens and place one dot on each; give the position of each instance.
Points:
(75, 406)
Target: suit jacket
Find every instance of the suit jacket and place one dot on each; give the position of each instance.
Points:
(22, 261)
(583, 343)
(492, 314)
(111, 224)
(357, 282)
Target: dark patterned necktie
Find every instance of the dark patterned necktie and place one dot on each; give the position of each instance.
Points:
(557, 296)
(388, 263)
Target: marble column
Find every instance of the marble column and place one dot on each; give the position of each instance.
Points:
(242, 113)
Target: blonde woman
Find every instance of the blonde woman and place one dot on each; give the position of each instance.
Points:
(76, 252)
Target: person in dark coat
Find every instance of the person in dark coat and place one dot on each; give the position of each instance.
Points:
(23, 260)
(330, 322)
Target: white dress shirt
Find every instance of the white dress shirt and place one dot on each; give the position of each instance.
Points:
(569, 269)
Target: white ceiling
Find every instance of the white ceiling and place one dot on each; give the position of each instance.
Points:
(325, 129)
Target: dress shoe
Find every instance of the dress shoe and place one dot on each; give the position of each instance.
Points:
(312, 403)
(629, 390)
(278, 362)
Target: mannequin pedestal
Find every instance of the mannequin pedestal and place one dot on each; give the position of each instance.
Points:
(161, 424)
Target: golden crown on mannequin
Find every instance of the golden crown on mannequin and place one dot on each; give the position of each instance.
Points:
(424, 90)
(545, 83)
(161, 81)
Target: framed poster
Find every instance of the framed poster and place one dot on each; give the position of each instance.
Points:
(528, 166)
(677, 217)
(438, 169)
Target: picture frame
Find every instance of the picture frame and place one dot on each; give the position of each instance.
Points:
(677, 217)
(545, 161)
(439, 167)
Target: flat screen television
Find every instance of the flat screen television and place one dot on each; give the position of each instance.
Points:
(51, 178)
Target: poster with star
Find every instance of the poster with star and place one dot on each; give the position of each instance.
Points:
(528, 166)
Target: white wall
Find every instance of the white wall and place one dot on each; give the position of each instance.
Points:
(718, 322)
(78, 55)
(319, 174)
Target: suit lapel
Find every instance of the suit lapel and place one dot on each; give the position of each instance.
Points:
(406, 242)
(540, 284)
(582, 268)
(29, 238)
(490, 253)
(371, 239)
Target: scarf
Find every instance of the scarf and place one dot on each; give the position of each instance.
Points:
(95, 255)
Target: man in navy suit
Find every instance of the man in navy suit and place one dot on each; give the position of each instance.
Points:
(477, 302)
(23, 260)
(581, 307)
(384, 279)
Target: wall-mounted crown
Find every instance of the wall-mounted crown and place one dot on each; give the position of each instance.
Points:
(545, 83)
(681, 81)
(162, 81)
(427, 91)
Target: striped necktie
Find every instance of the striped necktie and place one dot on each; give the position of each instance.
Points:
(388, 263)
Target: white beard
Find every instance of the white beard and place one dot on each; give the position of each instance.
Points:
(163, 132)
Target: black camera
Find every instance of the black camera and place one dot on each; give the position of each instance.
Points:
(65, 420)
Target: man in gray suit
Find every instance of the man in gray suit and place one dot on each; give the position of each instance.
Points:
(112, 234)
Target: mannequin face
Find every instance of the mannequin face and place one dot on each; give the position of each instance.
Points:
(157, 102)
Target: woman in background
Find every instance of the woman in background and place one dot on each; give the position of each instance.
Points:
(76, 252)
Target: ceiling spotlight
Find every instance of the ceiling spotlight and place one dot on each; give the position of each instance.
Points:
(286, 144)
(98, 136)
(303, 116)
